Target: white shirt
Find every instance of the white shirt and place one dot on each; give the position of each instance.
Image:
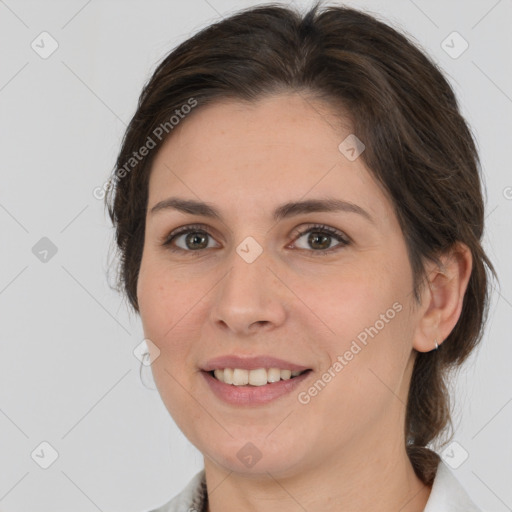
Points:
(447, 495)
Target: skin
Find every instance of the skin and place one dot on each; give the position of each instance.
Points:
(345, 449)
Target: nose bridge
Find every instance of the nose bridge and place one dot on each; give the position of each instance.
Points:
(248, 294)
(246, 273)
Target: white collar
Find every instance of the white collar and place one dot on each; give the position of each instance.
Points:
(447, 494)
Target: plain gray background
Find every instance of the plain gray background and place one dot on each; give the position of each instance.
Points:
(68, 375)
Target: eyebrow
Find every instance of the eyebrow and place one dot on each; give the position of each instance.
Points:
(286, 210)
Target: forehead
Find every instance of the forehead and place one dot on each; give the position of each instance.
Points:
(233, 131)
(256, 154)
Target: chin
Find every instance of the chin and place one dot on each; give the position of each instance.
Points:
(256, 458)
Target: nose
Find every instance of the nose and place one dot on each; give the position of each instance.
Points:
(249, 298)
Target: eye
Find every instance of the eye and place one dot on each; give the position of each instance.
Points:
(196, 238)
(320, 238)
(189, 239)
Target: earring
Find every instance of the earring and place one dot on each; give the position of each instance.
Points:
(435, 341)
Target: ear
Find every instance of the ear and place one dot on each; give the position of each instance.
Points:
(442, 298)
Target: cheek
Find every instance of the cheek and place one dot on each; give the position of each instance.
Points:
(156, 288)
(367, 311)
(154, 298)
(169, 320)
(166, 305)
(370, 311)
(354, 297)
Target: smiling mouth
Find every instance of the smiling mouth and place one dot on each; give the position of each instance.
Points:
(257, 377)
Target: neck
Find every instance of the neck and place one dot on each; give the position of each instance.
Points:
(379, 477)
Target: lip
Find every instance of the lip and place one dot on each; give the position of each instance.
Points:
(253, 395)
(250, 363)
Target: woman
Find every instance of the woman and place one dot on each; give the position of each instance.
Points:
(298, 211)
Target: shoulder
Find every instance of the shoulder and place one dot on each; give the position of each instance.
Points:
(191, 499)
(448, 495)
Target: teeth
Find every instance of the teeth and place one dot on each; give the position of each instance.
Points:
(258, 377)
(228, 375)
(219, 375)
(273, 375)
(240, 377)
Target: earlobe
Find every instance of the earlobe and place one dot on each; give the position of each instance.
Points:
(443, 297)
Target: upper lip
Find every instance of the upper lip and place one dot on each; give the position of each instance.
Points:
(250, 363)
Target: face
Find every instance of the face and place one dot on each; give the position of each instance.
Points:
(326, 290)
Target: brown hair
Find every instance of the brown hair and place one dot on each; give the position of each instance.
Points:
(418, 147)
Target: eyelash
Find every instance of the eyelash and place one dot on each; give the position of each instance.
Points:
(319, 228)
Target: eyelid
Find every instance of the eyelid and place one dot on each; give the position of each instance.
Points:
(166, 238)
(341, 237)
(298, 232)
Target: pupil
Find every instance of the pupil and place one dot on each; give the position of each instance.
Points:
(197, 237)
(313, 237)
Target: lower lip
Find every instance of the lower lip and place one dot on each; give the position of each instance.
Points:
(253, 395)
